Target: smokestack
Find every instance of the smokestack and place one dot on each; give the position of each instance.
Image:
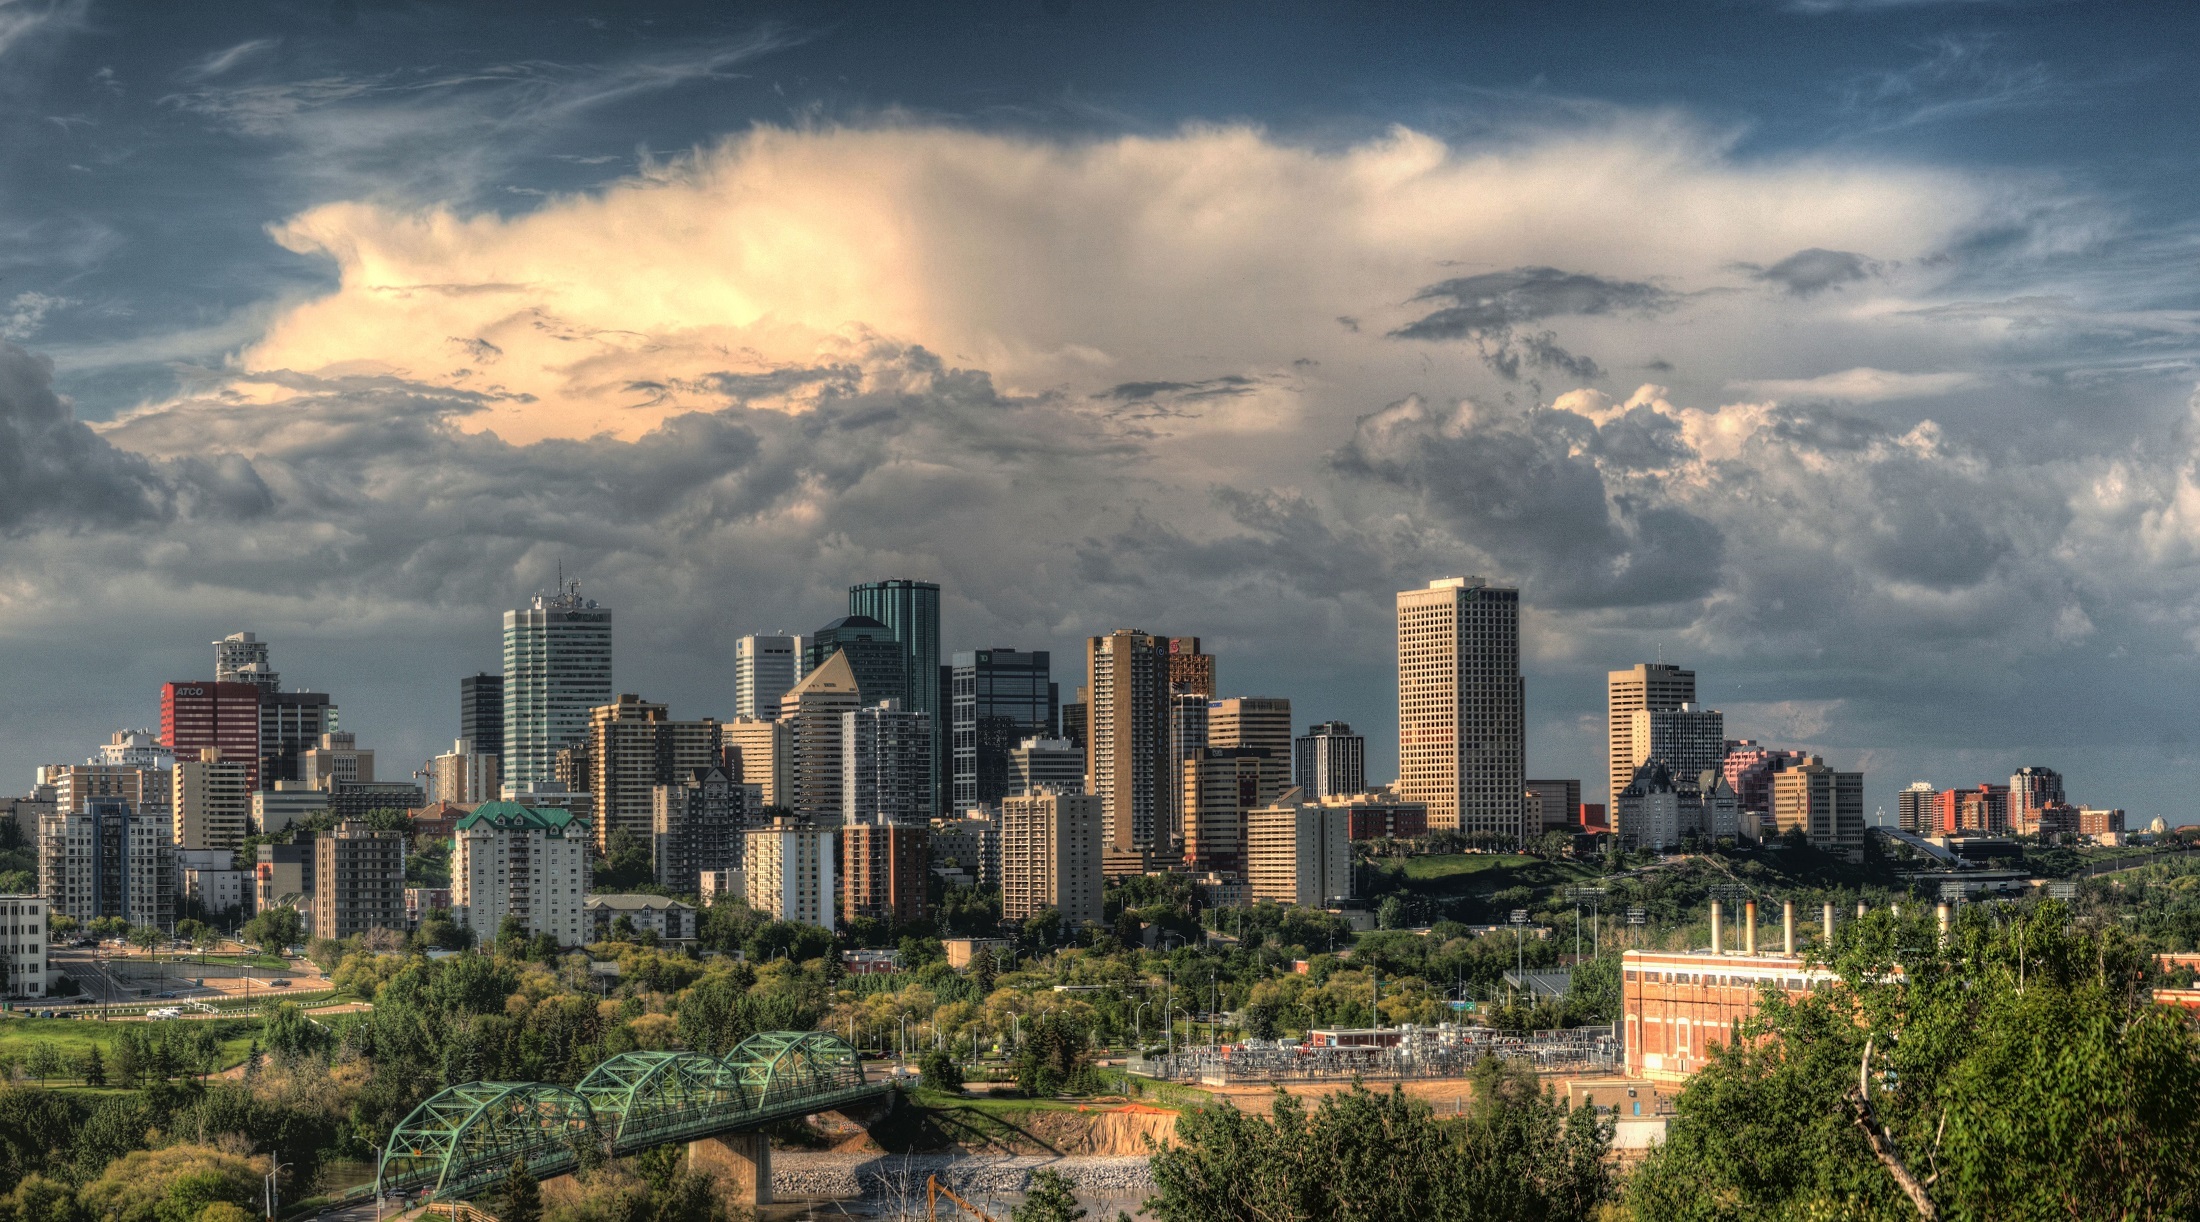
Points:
(1943, 912)
(1829, 924)
(1716, 925)
(1749, 928)
(1787, 927)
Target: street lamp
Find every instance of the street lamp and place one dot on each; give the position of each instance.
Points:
(267, 1194)
(1138, 1020)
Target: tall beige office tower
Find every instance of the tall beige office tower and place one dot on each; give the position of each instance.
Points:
(812, 713)
(1462, 709)
(1652, 687)
(1126, 763)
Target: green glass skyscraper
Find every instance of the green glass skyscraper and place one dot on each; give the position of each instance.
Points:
(911, 609)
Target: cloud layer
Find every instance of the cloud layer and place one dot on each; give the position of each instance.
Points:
(1214, 383)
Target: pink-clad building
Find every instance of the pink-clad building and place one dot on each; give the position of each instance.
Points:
(1750, 767)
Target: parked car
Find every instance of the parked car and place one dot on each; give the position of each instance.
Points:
(166, 996)
(278, 984)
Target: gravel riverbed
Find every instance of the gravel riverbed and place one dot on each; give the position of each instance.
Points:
(799, 1173)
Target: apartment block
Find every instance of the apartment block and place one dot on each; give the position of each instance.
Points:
(109, 860)
(790, 870)
(883, 868)
(1050, 855)
(210, 806)
(23, 944)
(759, 752)
(358, 881)
(529, 863)
(634, 746)
(1299, 852)
(698, 825)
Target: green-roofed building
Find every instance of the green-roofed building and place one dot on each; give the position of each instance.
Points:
(529, 863)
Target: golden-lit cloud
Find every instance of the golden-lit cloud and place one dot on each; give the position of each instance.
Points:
(1074, 265)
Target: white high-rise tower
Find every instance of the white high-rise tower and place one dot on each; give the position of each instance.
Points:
(764, 669)
(557, 666)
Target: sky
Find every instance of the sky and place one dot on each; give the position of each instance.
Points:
(1842, 351)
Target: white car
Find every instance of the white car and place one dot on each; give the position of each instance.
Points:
(165, 1012)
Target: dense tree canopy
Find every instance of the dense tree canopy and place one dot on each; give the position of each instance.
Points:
(2018, 1067)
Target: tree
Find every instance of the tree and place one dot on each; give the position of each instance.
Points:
(1391, 913)
(45, 1061)
(519, 1197)
(1048, 1199)
(940, 1071)
(92, 1068)
(275, 928)
(1520, 1154)
(511, 935)
(1981, 1051)
(985, 970)
(146, 937)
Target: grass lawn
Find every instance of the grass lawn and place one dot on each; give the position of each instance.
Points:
(72, 1036)
(1460, 874)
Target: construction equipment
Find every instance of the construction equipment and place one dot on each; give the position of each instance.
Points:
(934, 1190)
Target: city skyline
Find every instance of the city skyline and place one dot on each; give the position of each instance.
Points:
(1852, 369)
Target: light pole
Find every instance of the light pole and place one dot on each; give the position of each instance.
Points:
(267, 1194)
(1138, 1020)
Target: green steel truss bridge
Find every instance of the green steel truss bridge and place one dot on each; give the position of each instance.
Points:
(467, 1137)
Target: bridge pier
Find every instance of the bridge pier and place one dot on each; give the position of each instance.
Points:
(742, 1160)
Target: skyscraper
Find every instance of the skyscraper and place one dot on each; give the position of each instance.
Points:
(1126, 763)
(1825, 805)
(634, 746)
(1687, 739)
(911, 609)
(878, 661)
(885, 761)
(998, 698)
(1329, 761)
(291, 723)
(812, 711)
(195, 716)
(1251, 721)
(1552, 806)
(1220, 788)
(764, 667)
(1913, 808)
(241, 657)
(1461, 705)
(1648, 687)
(211, 802)
(481, 715)
(1191, 672)
(2031, 790)
(698, 822)
(557, 666)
